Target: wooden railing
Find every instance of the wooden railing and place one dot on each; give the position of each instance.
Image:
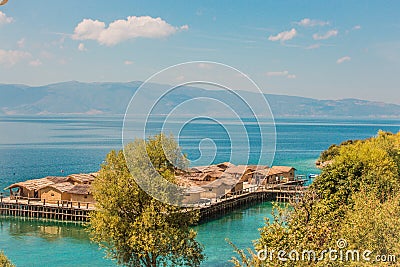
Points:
(58, 203)
(291, 189)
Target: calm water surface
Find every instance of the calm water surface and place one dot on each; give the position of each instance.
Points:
(34, 147)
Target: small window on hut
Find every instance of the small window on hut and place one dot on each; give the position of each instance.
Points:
(52, 194)
(84, 196)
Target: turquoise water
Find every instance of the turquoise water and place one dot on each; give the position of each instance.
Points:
(34, 147)
(30, 242)
(240, 227)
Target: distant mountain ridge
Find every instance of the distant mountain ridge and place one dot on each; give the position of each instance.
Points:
(112, 98)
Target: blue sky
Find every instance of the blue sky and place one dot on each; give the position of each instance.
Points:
(320, 49)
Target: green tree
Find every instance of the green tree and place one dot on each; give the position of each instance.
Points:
(135, 228)
(373, 225)
(4, 261)
(356, 197)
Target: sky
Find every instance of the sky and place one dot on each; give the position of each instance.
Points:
(320, 49)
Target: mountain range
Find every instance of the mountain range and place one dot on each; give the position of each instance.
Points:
(112, 98)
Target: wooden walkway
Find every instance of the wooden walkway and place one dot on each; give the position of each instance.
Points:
(281, 193)
(63, 211)
(212, 208)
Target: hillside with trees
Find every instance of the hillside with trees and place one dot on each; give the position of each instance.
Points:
(112, 98)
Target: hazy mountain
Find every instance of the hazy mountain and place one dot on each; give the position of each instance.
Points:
(113, 98)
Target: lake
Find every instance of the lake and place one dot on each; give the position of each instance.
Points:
(35, 147)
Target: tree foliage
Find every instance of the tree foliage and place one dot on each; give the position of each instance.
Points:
(4, 261)
(356, 198)
(133, 227)
(333, 151)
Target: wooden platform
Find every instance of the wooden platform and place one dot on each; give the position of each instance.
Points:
(64, 211)
(79, 212)
(281, 193)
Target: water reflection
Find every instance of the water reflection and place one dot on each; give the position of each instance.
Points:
(49, 230)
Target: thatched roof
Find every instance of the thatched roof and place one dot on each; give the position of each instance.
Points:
(275, 170)
(80, 189)
(205, 169)
(226, 181)
(83, 178)
(239, 169)
(283, 169)
(61, 187)
(225, 165)
(62, 184)
(197, 176)
(202, 173)
(257, 167)
(269, 172)
(198, 169)
(214, 174)
(37, 184)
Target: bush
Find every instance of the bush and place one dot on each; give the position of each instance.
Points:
(4, 261)
(356, 199)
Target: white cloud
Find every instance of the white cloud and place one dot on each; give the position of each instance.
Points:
(306, 22)
(88, 29)
(325, 36)
(81, 47)
(35, 63)
(313, 46)
(12, 57)
(357, 27)
(59, 42)
(128, 62)
(283, 36)
(122, 30)
(21, 43)
(343, 59)
(4, 19)
(284, 73)
(184, 27)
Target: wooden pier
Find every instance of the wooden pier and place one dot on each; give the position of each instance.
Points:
(63, 211)
(79, 212)
(249, 196)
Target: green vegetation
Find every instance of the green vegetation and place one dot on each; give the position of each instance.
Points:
(133, 227)
(4, 261)
(356, 198)
(333, 151)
